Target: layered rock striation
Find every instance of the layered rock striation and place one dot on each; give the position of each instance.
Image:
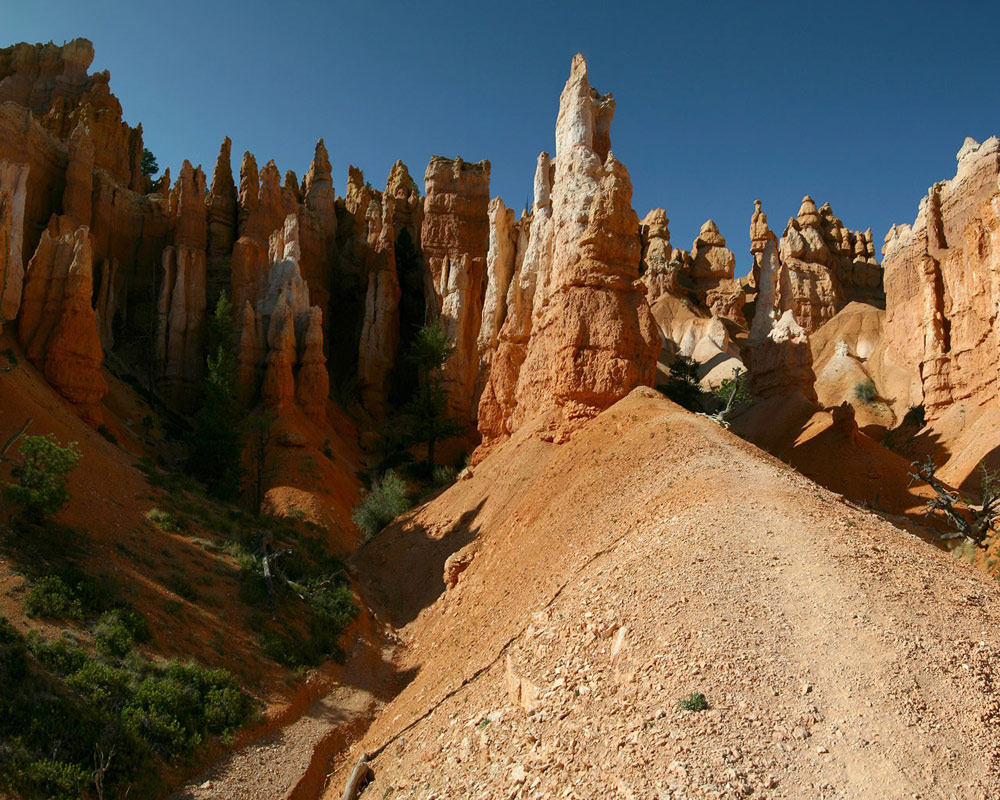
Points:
(942, 281)
(455, 238)
(591, 337)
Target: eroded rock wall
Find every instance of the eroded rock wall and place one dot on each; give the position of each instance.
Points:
(827, 266)
(57, 326)
(777, 353)
(942, 281)
(454, 239)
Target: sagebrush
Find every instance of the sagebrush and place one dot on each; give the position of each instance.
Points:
(386, 501)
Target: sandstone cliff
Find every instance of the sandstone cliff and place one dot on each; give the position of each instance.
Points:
(942, 289)
(827, 266)
(57, 326)
(281, 354)
(182, 300)
(52, 82)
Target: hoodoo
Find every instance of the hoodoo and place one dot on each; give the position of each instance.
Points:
(592, 338)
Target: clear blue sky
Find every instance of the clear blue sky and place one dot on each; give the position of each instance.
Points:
(863, 105)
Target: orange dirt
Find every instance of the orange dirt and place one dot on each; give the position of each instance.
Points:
(655, 555)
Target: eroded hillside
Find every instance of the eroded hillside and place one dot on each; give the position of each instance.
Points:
(598, 583)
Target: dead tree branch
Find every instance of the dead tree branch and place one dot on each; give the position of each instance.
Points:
(972, 522)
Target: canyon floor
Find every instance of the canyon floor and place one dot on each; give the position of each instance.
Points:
(598, 582)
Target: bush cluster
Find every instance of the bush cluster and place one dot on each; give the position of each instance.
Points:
(61, 710)
(71, 594)
(300, 614)
(386, 501)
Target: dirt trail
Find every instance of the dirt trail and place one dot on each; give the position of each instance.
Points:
(281, 763)
(653, 556)
(300, 745)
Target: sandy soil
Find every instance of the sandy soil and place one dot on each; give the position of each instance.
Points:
(657, 555)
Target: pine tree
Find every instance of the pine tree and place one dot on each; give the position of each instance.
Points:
(216, 455)
(427, 410)
(148, 164)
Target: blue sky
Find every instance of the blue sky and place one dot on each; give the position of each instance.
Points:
(863, 105)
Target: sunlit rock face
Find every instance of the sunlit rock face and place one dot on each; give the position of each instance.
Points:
(942, 282)
(591, 337)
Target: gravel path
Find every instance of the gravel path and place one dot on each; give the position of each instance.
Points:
(841, 657)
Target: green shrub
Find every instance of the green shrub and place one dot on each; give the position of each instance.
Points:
(41, 475)
(50, 597)
(102, 684)
(164, 520)
(112, 637)
(226, 708)
(62, 780)
(13, 656)
(865, 392)
(386, 501)
(61, 656)
(59, 714)
(695, 701)
(334, 603)
(181, 586)
(95, 594)
(444, 474)
(72, 594)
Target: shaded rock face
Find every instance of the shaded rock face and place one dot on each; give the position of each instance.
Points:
(318, 228)
(777, 354)
(57, 326)
(182, 301)
(454, 238)
(280, 351)
(592, 338)
(942, 281)
(380, 327)
(379, 237)
(222, 220)
(24, 142)
(828, 265)
(13, 195)
(83, 163)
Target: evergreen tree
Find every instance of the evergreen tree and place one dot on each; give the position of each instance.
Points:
(148, 164)
(426, 412)
(41, 473)
(216, 455)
